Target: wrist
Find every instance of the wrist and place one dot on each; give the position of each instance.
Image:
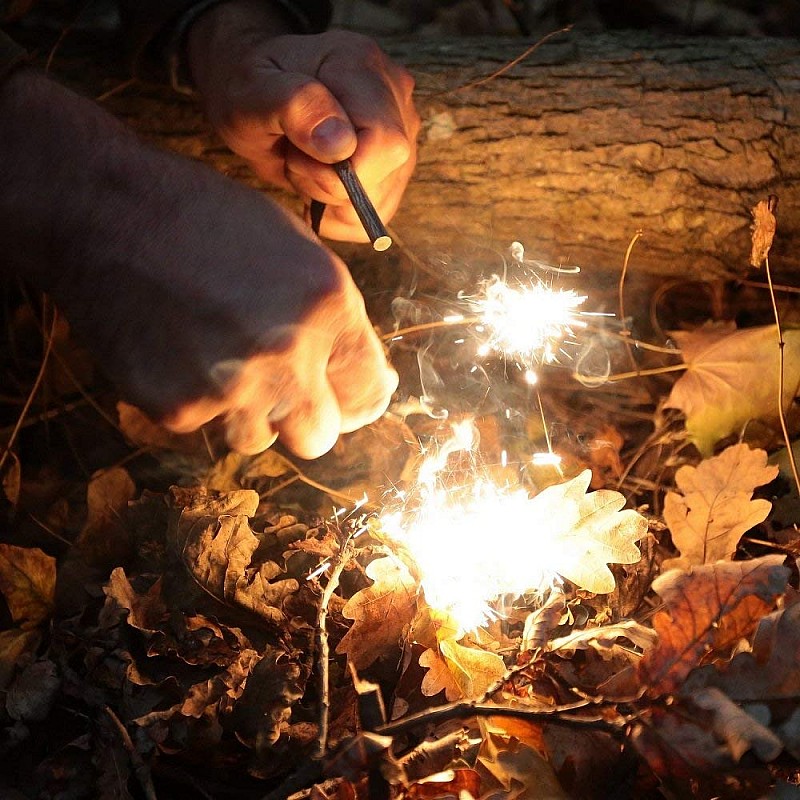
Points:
(231, 27)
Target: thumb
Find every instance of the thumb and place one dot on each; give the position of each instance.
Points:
(311, 118)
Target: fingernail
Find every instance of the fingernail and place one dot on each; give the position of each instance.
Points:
(333, 136)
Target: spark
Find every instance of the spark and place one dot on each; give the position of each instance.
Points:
(527, 320)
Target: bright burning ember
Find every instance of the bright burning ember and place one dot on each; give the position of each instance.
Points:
(474, 542)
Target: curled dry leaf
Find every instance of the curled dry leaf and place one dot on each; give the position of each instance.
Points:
(213, 538)
(731, 379)
(714, 507)
(707, 611)
(380, 612)
(28, 583)
(14, 644)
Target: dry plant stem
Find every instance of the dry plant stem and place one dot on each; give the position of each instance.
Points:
(772, 287)
(621, 294)
(467, 708)
(506, 67)
(639, 373)
(338, 563)
(141, 769)
(781, 359)
(34, 389)
(428, 326)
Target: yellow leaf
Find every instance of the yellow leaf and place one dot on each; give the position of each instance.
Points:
(714, 507)
(438, 677)
(459, 670)
(28, 582)
(731, 379)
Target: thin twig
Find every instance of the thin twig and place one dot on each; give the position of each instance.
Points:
(621, 294)
(639, 373)
(116, 90)
(338, 563)
(510, 65)
(781, 379)
(772, 287)
(471, 709)
(34, 389)
(141, 769)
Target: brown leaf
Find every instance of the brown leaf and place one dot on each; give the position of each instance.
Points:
(104, 539)
(517, 769)
(14, 644)
(27, 581)
(731, 379)
(771, 672)
(707, 611)
(146, 612)
(473, 669)
(380, 612)
(763, 230)
(12, 478)
(213, 537)
(714, 508)
(460, 783)
(275, 684)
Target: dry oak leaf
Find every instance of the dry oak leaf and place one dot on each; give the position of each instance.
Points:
(459, 671)
(770, 672)
(213, 537)
(28, 583)
(516, 769)
(588, 532)
(731, 379)
(714, 507)
(380, 612)
(708, 610)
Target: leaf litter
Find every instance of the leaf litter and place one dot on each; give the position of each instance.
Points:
(160, 617)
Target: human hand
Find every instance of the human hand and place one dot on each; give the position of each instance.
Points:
(293, 105)
(198, 297)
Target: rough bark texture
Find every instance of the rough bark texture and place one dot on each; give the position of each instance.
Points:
(578, 146)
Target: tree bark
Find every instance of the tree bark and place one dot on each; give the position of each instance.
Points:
(581, 144)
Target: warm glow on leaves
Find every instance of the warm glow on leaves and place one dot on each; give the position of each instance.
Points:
(380, 613)
(707, 612)
(714, 507)
(731, 379)
(472, 547)
(459, 670)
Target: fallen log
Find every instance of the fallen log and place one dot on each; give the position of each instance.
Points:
(578, 146)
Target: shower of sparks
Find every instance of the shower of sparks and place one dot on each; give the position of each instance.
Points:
(474, 542)
(527, 321)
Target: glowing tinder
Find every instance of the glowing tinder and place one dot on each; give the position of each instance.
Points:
(474, 542)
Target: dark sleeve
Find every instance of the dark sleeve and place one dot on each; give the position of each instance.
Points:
(11, 55)
(155, 28)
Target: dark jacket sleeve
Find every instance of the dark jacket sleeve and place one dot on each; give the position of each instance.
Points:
(11, 55)
(155, 28)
